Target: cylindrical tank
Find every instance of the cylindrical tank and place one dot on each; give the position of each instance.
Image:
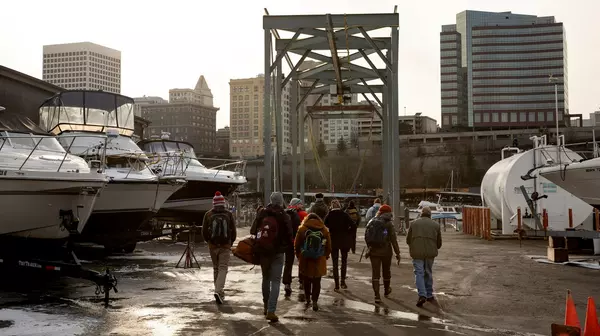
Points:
(500, 188)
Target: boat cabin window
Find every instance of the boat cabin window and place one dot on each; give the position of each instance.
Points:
(171, 146)
(28, 141)
(154, 147)
(123, 162)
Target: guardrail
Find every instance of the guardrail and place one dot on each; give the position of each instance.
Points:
(6, 137)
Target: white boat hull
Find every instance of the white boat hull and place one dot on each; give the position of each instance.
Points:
(580, 179)
(30, 202)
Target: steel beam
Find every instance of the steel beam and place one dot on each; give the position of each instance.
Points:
(294, 131)
(384, 42)
(355, 88)
(320, 36)
(395, 127)
(322, 58)
(295, 67)
(365, 56)
(372, 93)
(345, 74)
(373, 45)
(267, 120)
(343, 115)
(334, 55)
(293, 22)
(282, 53)
(279, 125)
(308, 74)
(375, 107)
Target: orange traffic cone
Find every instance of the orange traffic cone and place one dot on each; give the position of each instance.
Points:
(591, 320)
(571, 318)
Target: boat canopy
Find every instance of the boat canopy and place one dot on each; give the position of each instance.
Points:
(87, 111)
(16, 123)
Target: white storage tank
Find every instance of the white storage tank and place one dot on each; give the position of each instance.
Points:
(500, 190)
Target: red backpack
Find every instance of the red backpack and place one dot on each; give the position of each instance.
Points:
(266, 235)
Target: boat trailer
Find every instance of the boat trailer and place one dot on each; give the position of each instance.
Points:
(68, 266)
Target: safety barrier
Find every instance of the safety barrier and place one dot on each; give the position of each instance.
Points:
(476, 221)
(572, 327)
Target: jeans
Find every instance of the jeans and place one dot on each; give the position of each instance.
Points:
(335, 253)
(312, 288)
(289, 264)
(271, 268)
(220, 260)
(379, 264)
(424, 277)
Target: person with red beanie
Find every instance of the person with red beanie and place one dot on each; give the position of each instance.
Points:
(381, 240)
(218, 229)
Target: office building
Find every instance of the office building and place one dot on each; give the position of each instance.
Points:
(223, 141)
(496, 70)
(246, 117)
(189, 121)
(201, 94)
(146, 100)
(82, 65)
(418, 124)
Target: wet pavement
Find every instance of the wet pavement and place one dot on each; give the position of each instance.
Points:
(155, 298)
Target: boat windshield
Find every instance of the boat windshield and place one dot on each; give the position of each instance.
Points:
(29, 141)
(88, 111)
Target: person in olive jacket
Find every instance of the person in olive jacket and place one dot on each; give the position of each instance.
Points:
(381, 256)
(424, 239)
(343, 235)
(312, 270)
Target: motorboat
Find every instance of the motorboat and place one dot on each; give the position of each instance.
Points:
(46, 194)
(188, 204)
(580, 178)
(134, 193)
(437, 210)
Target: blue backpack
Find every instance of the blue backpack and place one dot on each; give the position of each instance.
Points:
(313, 244)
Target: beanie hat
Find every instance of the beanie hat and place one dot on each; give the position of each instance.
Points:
(277, 198)
(319, 196)
(296, 203)
(218, 200)
(384, 208)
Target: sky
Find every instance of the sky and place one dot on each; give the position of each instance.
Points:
(169, 44)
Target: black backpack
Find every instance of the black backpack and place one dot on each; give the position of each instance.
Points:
(219, 228)
(295, 219)
(376, 234)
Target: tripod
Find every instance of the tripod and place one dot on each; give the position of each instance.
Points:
(188, 253)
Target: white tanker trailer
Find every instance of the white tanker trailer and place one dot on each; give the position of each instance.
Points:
(500, 189)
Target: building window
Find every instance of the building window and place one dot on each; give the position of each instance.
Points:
(541, 116)
(446, 120)
(495, 117)
(522, 117)
(477, 117)
(486, 117)
(454, 120)
(504, 117)
(550, 116)
(531, 116)
(513, 117)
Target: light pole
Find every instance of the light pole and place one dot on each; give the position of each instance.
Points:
(555, 81)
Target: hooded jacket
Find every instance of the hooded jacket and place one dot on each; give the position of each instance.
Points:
(284, 231)
(313, 268)
(342, 229)
(386, 251)
(320, 208)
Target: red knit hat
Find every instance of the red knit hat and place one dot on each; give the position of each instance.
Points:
(384, 208)
(218, 200)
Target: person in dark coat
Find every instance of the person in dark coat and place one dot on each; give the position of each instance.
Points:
(292, 211)
(319, 208)
(381, 256)
(343, 239)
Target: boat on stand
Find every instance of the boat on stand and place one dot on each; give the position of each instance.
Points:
(37, 173)
(134, 193)
(188, 204)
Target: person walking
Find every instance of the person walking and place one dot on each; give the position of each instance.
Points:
(218, 229)
(299, 206)
(319, 208)
(352, 211)
(291, 211)
(424, 239)
(381, 240)
(313, 247)
(373, 210)
(343, 235)
(273, 230)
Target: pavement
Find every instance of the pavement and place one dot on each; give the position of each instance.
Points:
(156, 298)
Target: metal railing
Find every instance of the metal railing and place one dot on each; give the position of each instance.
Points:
(239, 166)
(5, 137)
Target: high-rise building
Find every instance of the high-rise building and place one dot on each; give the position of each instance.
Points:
(246, 117)
(145, 100)
(496, 70)
(82, 65)
(186, 120)
(223, 141)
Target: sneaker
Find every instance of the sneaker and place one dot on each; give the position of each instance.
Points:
(344, 286)
(308, 303)
(315, 306)
(377, 299)
(336, 289)
(218, 298)
(272, 317)
(288, 290)
(387, 292)
(431, 299)
(421, 301)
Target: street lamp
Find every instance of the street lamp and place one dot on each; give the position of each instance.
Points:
(556, 81)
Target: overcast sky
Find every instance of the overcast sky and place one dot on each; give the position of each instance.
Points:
(169, 44)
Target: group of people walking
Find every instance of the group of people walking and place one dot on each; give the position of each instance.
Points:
(285, 234)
